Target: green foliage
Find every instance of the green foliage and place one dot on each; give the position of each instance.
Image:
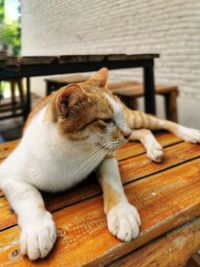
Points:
(10, 34)
(1, 10)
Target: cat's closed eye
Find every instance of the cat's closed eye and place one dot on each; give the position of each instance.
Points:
(107, 121)
(103, 123)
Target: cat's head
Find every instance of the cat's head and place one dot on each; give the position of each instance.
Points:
(89, 112)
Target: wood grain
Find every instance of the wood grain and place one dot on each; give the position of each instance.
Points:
(164, 201)
(135, 148)
(140, 166)
(7, 148)
(129, 150)
(172, 250)
(135, 89)
(131, 169)
(42, 60)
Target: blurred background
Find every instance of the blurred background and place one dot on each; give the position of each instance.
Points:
(170, 28)
(85, 27)
(10, 26)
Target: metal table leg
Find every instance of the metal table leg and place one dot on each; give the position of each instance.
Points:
(28, 98)
(149, 89)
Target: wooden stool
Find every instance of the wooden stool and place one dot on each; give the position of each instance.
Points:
(55, 83)
(130, 91)
(16, 104)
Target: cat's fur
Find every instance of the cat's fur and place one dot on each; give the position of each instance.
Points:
(68, 135)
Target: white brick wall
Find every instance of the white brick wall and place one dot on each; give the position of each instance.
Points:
(171, 28)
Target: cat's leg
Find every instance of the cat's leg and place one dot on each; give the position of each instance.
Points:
(38, 232)
(185, 133)
(138, 120)
(122, 218)
(153, 148)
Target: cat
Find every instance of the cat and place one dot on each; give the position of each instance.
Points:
(68, 135)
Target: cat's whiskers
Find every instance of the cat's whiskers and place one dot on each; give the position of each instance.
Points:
(90, 163)
(88, 156)
(91, 160)
(94, 150)
(90, 153)
(113, 145)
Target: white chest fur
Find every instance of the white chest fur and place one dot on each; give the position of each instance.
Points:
(51, 162)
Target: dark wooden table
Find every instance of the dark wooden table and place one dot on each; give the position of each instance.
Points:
(167, 196)
(16, 67)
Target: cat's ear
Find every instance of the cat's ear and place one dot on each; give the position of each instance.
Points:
(67, 98)
(101, 77)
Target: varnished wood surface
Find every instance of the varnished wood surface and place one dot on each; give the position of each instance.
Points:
(125, 152)
(33, 60)
(167, 196)
(167, 251)
(137, 90)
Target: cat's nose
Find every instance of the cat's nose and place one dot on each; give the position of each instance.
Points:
(124, 128)
(126, 131)
(127, 134)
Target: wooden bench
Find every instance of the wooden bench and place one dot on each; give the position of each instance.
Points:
(167, 196)
(55, 83)
(14, 108)
(130, 91)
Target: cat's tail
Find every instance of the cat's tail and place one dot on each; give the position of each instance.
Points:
(137, 120)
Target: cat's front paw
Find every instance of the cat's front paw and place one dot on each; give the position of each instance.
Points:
(38, 237)
(190, 135)
(155, 152)
(124, 221)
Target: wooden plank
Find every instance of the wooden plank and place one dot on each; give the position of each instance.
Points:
(134, 89)
(135, 148)
(131, 169)
(105, 57)
(75, 78)
(53, 202)
(40, 60)
(12, 61)
(172, 250)
(7, 148)
(129, 150)
(140, 166)
(164, 201)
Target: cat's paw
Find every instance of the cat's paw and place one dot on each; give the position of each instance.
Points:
(155, 152)
(38, 237)
(124, 221)
(190, 135)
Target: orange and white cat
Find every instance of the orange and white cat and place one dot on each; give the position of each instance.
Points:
(67, 136)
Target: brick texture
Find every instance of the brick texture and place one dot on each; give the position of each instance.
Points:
(171, 28)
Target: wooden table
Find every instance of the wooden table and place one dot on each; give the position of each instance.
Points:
(19, 67)
(167, 196)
